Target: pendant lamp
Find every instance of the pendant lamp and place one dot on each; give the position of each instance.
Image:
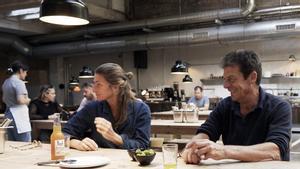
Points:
(74, 81)
(86, 72)
(187, 79)
(179, 68)
(64, 12)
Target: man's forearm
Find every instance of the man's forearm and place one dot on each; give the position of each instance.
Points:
(258, 152)
(200, 136)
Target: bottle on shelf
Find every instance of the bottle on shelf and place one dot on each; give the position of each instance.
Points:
(57, 140)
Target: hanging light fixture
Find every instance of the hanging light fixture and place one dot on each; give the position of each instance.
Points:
(74, 81)
(64, 12)
(86, 72)
(179, 68)
(292, 58)
(187, 79)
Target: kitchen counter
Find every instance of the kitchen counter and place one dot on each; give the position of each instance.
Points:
(168, 115)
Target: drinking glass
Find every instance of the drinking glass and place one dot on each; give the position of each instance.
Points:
(170, 156)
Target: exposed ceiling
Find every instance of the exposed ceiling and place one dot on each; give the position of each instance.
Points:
(133, 18)
(100, 11)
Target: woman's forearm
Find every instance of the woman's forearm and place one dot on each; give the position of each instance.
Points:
(117, 139)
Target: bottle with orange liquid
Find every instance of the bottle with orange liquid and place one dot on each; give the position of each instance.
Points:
(57, 140)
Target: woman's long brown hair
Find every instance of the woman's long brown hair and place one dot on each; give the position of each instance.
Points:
(115, 75)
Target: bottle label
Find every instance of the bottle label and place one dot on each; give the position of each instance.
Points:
(59, 147)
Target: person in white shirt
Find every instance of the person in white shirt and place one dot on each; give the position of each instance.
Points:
(88, 94)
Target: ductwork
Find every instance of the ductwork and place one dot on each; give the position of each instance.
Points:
(15, 42)
(222, 34)
(151, 23)
(277, 10)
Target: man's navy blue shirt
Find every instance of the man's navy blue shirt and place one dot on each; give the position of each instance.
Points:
(135, 131)
(270, 121)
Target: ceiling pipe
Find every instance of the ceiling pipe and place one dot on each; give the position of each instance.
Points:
(277, 10)
(16, 43)
(223, 35)
(150, 23)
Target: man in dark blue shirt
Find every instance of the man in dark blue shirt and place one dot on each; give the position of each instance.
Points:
(254, 125)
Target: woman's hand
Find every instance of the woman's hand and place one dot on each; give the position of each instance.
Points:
(105, 128)
(86, 144)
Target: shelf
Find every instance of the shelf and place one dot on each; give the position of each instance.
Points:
(212, 81)
(264, 80)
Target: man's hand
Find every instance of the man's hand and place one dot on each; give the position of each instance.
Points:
(86, 144)
(205, 149)
(202, 149)
(190, 157)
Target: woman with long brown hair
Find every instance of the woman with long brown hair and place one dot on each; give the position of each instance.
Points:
(116, 120)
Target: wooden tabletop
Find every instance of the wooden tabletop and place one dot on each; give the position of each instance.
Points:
(27, 159)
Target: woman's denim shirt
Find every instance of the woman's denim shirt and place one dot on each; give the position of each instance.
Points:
(135, 131)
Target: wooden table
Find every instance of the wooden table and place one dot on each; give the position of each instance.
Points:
(168, 115)
(16, 159)
(37, 125)
(157, 127)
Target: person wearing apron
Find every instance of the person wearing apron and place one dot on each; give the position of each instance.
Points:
(15, 96)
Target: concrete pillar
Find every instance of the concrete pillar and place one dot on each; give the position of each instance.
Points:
(57, 76)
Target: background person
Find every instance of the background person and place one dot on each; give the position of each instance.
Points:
(88, 95)
(15, 96)
(199, 99)
(43, 107)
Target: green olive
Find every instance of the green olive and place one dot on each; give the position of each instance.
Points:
(147, 152)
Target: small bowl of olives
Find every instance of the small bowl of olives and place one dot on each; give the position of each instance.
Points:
(144, 157)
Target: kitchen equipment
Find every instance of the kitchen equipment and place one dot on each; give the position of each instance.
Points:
(168, 93)
(191, 116)
(178, 116)
(155, 94)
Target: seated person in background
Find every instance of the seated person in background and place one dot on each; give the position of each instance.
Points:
(116, 120)
(88, 94)
(198, 99)
(255, 125)
(43, 107)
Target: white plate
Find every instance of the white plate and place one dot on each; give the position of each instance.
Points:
(85, 162)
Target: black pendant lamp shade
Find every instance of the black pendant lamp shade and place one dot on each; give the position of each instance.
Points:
(292, 58)
(179, 68)
(64, 12)
(74, 81)
(187, 79)
(86, 72)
